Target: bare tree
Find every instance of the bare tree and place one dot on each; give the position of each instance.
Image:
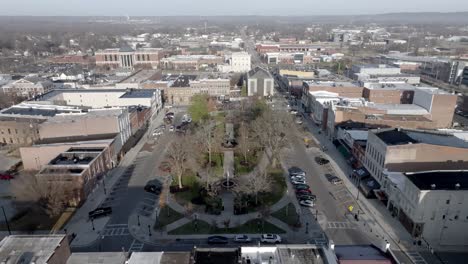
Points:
(245, 141)
(52, 196)
(209, 139)
(271, 130)
(256, 184)
(178, 155)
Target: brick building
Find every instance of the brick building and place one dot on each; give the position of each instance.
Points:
(129, 58)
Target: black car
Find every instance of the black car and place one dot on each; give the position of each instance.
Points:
(296, 171)
(306, 197)
(217, 240)
(321, 161)
(153, 187)
(99, 212)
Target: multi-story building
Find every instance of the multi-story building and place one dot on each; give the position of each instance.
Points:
(431, 205)
(94, 122)
(27, 87)
(341, 89)
(190, 62)
(105, 98)
(129, 58)
(260, 83)
(19, 124)
(78, 170)
(362, 72)
(240, 62)
(464, 78)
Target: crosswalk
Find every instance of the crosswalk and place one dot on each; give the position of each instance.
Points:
(340, 225)
(116, 230)
(136, 246)
(415, 257)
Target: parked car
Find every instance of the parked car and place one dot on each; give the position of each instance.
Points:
(333, 179)
(157, 132)
(171, 129)
(295, 171)
(297, 178)
(242, 239)
(270, 238)
(298, 181)
(217, 240)
(169, 114)
(301, 187)
(99, 212)
(321, 161)
(307, 197)
(293, 112)
(6, 177)
(303, 191)
(298, 121)
(153, 188)
(307, 203)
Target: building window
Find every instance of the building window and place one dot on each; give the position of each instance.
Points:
(138, 57)
(115, 57)
(16, 131)
(9, 132)
(11, 140)
(4, 140)
(105, 57)
(147, 57)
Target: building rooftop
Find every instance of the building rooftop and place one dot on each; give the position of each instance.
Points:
(259, 72)
(439, 180)
(410, 136)
(400, 109)
(82, 138)
(29, 248)
(138, 93)
(330, 84)
(370, 66)
(28, 109)
(146, 258)
(216, 255)
(97, 258)
(360, 252)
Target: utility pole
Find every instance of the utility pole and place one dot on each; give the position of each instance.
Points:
(6, 221)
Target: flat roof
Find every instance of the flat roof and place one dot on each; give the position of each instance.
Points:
(331, 84)
(439, 180)
(77, 138)
(407, 136)
(145, 258)
(26, 109)
(400, 109)
(360, 252)
(97, 258)
(395, 137)
(29, 248)
(138, 93)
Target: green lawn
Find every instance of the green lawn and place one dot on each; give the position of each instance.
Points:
(239, 168)
(250, 227)
(278, 189)
(166, 216)
(287, 214)
(191, 181)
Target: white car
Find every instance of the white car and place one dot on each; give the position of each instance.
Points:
(307, 203)
(157, 132)
(300, 178)
(297, 174)
(293, 112)
(171, 129)
(242, 239)
(297, 181)
(270, 238)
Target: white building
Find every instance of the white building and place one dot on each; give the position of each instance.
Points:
(260, 83)
(360, 72)
(240, 62)
(104, 98)
(431, 205)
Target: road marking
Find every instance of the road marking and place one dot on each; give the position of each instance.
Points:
(416, 257)
(136, 246)
(116, 230)
(340, 225)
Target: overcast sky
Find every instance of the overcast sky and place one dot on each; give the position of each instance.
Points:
(223, 7)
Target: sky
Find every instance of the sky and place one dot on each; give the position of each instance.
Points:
(223, 7)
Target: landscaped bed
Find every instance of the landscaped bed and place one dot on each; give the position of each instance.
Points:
(166, 216)
(251, 227)
(288, 215)
(242, 167)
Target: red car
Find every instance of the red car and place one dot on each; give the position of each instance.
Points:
(304, 191)
(6, 177)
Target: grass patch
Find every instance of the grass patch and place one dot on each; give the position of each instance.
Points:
(188, 180)
(166, 216)
(255, 226)
(240, 168)
(30, 220)
(288, 215)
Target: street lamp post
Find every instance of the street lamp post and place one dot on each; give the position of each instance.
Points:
(6, 221)
(104, 184)
(307, 228)
(92, 224)
(138, 218)
(149, 230)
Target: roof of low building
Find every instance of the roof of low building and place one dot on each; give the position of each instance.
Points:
(29, 248)
(259, 72)
(360, 252)
(439, 180)
(97, 258)
(413, 136)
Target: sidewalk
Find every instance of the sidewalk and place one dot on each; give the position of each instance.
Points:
(375, 219)
(79, 224)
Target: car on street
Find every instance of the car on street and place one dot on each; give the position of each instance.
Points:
(303, 191)
(153, 187)
(270, 238)
(299, 121)
(242, 239)
(297, 178)
(157, 132)
(170, 114)
(6, 177)
(307, 197)
(171, 129)
(293, 112)
(321, 161)
(217, 240)
(100, 212)
(307, 203)
(301, 186)
(298, 181)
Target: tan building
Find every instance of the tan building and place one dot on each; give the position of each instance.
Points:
(190, 62)
(27, 87)
(129, 58)
(343, 89)
(78, 169)
(39, 249)
(35, 157)
(94, 122)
